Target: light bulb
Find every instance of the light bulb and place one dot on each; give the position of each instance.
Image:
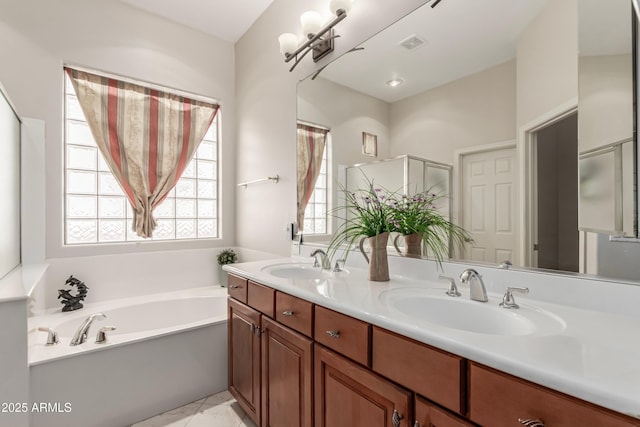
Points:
(311, 23)
(288, 43)
(336, 5)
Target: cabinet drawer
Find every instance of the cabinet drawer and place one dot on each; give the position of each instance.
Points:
(433, 373)
(430, 415)
(261, 297)
(499, 399)
(294, 313)
(343, 334)
(237, 288)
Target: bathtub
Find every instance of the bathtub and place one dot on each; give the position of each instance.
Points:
(167, 350)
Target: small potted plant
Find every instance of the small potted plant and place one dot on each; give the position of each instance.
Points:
(226, 256)
(418, 220)
(367, 217)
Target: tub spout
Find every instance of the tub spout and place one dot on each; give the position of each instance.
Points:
(81, 334)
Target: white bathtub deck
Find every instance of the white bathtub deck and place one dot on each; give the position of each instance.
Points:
(219, 410)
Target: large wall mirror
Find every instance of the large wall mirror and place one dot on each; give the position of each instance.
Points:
(531, 104)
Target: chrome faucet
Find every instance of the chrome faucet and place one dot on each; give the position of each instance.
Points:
(476, 285)
(81, 334)
(324, 259)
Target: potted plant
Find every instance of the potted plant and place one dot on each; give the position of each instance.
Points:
(226, 256)
(419, 221)
(367, 218)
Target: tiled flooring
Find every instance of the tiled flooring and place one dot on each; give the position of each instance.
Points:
(219, 410)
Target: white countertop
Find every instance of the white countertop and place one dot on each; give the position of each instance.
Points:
(593, 355)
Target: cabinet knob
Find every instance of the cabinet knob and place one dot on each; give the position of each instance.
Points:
(334, 334)
(531, 422)
(287, 313)
(396, 418)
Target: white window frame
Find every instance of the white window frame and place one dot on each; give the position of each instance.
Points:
(200, 212)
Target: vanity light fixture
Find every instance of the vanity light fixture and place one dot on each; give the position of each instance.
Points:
(318, 37)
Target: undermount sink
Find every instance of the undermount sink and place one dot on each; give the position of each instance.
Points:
(434, 306)
(298, 271)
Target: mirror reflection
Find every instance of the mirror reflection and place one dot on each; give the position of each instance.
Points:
(499, 103)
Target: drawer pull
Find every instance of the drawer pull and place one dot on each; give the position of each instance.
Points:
(287, 313)
(396, 418)
(234, 286)
(530, 422)
(334, 334)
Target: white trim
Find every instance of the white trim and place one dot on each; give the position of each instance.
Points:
(526, 140)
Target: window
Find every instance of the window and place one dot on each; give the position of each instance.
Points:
(96, 209)
(315, 214)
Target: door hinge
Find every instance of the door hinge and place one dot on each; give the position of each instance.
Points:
(535, 246)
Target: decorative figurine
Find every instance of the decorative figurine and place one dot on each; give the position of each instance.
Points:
(69, 301)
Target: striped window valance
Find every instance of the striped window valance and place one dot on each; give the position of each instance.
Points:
(310, 147)
(147, 137)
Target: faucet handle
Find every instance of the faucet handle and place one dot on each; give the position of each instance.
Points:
(453, 289)
(508, 301)
(52, 337)
(101, 337)
(506, 264)
(339, 265)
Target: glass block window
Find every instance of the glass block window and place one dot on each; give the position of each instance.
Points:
(315, 215)
(96, 209)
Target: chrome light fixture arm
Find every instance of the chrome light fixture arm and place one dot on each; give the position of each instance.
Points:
(320, 43)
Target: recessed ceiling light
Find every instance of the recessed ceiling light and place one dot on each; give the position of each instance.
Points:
(395, 82)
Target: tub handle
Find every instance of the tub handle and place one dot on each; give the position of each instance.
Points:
(52, 337)
(101, 337)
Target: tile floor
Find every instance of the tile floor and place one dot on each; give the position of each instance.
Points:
(219, 410)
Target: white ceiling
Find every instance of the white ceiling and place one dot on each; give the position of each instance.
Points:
(463, 37)
(225, 19)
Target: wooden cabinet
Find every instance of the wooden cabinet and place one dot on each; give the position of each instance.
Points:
(237, 287)
(287, 376)
(348, 395)
(295, 313)
(343, 334)
(244, 357)
(261, 297)
(270, 365)
(497, 399)
(430, 415)
(296, 364)
(433, 373)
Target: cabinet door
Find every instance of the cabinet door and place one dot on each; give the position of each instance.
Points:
(348, 395)
(430, 415)
(497, 399)
(287, 376)
(244, 357)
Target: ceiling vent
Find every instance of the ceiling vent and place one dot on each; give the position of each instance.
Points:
(412, 42)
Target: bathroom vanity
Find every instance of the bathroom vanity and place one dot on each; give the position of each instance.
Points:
(311, 347)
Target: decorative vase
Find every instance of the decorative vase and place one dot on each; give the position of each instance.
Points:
(378, 263)
(412, 245)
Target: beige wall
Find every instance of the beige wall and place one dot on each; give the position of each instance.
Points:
(266, 99)
(548, 61)
(475, 110)
(347, 113)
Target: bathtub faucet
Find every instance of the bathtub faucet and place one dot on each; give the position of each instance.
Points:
(81, 334)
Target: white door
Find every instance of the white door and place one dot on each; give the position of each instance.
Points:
(489, 205)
